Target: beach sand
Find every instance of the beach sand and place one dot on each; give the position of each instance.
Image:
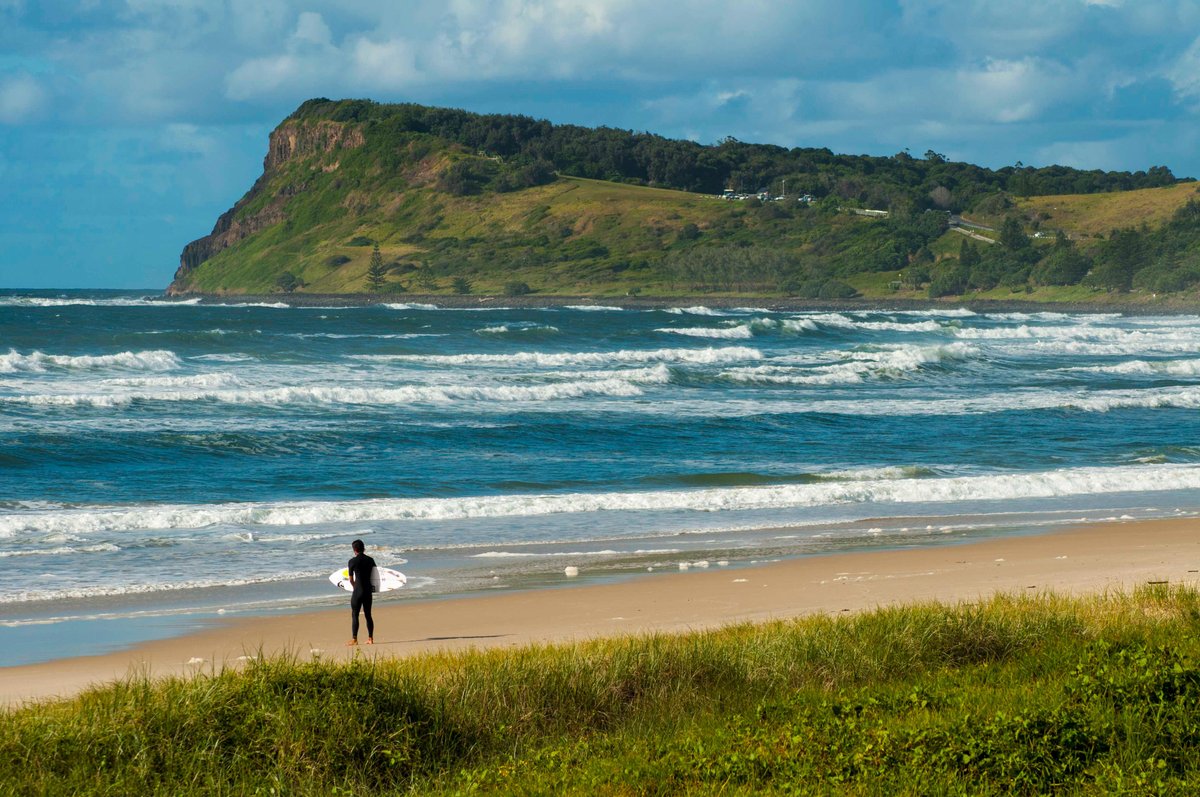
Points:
(1110, 556)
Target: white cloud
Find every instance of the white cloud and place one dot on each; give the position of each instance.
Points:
(310, 59)
(1012, 91)
(384, 65)
(311, 30)
(692, 67)
(1184, 73)
(22, 99)
(257, 24)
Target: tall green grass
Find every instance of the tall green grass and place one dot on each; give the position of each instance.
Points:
(1027, 695)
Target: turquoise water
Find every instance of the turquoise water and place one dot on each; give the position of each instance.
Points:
(167, 462)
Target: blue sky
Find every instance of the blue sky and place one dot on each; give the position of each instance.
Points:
(127, 127)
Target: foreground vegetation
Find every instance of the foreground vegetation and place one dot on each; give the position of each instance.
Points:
(361, 197)
(1019, 695)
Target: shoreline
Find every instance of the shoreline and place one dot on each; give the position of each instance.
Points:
(534, 301)
(1088, 559)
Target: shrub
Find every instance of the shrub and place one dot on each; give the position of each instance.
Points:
(836, 289)
(288, 282)
(516, 289)
(948, 282)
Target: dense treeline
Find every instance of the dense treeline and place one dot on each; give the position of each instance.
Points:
(1159, 261)
(899, 182)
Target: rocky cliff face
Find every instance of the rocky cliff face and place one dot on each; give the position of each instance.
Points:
(290, 141)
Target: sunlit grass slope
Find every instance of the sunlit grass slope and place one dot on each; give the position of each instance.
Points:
(1019, 695)
(1084, 215)
(572, 236)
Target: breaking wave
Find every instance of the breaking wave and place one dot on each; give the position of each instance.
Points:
(328, 394)
(38, 362)
(855, 367)
(862, 489)
(741, 331)
(560, 359)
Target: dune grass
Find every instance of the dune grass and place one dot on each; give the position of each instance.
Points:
(1025, 695)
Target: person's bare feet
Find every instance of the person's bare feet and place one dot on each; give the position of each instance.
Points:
(370, 640)
(352, 643)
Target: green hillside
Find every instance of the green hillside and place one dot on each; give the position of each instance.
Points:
(359, 197)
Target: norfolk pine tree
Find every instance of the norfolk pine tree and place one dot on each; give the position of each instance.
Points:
(376, 272)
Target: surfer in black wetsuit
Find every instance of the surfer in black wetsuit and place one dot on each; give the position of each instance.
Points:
(360, 568)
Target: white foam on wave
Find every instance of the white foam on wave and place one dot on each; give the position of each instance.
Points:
(654, 375)
(1102, 339)
(1184, 368)
(1013, 400)
(517, 326)
(842, 321)
(593, 308)
(957, 312)
(1042, 348)
(699, 310)
(735, 329)
(334, 394)
(554, 554)
(885, 473)
(741, 331)
(39, 362)
(1067, 482)
(66, 301)
(798, 325)
(411, 306)
(340, 336)
(211, 380)
(64, 550)
(560, 359)
(142, 588)
(224, 358)
(888, 362)
(843, 374)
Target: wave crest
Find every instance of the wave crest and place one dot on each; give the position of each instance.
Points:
(39, 362)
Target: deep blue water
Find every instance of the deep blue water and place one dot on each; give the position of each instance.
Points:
(167, 458)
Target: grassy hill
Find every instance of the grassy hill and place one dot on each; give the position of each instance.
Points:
(1091, 215)
(356, 197)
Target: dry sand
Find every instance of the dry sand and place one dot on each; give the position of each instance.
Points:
(1111, 556)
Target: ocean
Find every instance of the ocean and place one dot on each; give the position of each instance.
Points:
(165, 464)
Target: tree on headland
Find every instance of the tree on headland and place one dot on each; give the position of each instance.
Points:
(288, 282)
(376, 272)
(426, 280)
(1012, 236)
(1065, 265)
(461, 285)
(968, 254)
(1124, 254)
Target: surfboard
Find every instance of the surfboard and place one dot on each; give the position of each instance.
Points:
(383, 579)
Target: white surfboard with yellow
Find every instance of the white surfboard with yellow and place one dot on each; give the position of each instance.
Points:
(383, 579)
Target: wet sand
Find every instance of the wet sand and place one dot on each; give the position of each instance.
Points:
(1090, 559)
